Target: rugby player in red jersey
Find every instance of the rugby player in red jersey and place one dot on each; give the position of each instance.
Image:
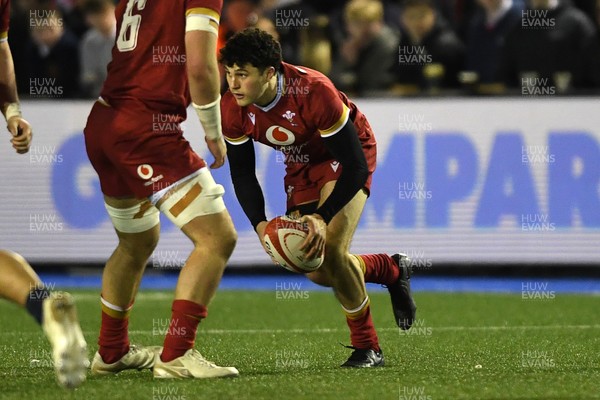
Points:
(164, 58)
(54, 311)
(330, 156)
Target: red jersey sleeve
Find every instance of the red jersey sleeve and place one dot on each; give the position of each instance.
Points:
(231, 120)
(327, 108)
(4, 16)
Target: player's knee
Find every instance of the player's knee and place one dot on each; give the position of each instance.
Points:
(12, 258)
(334, 258)
(220, 241)
(6, 256)
(232, 239)
(140, 246)
(228, 240)
(326, 273)
(336, 263)
(321, 277)
(137, 229)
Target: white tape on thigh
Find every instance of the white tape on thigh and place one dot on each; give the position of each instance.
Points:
(134, 219)
(198, 196)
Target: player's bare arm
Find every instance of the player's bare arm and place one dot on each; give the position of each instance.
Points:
(203, 77)
(9, 102)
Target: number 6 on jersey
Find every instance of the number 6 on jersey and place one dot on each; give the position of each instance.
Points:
(128, 34)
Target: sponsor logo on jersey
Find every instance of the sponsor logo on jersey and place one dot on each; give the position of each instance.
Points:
(335, 165)
(145, 171)
(252, 118)
(280, 136)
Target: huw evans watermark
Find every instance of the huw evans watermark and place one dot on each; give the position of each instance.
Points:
(536, 291)
(290, 291)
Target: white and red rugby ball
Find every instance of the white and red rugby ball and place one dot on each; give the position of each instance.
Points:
(283, 237)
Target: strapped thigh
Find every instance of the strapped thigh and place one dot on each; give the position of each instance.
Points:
(136, 219)
(198, 194)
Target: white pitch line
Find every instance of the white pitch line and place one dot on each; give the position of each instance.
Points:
(335, 330)
(140, 296)
(163, 329)
(510, 327)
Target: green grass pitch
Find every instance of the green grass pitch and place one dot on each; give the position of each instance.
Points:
(463, 346)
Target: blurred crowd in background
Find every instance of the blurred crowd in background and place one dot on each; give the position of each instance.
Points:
(367, 47)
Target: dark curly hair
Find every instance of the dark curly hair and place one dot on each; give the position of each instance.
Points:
(252, 46)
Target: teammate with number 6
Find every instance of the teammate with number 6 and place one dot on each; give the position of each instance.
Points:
(165, 53)
(329, 152)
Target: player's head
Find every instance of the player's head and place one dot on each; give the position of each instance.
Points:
(251, 59)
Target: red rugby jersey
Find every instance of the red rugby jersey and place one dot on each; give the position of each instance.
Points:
(148, 58)
(307, 107)
(4, 16)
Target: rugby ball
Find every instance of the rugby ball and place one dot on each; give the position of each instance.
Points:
(283, 238)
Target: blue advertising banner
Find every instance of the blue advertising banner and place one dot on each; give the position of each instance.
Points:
(457, 180)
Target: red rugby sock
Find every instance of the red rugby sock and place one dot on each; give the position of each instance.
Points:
(362, 330)
(379, 268)
(114, 339)
(185, 317)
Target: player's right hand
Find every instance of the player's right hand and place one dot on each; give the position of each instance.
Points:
(218, 149)
(314, 243)
(21, 134)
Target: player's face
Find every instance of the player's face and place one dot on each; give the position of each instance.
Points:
(248, 85)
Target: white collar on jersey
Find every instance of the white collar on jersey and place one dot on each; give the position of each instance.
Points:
(272, 104)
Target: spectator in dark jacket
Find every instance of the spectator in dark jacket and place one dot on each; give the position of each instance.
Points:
(553, 44)
(367, 56)
(486, 36)
(430, 53)
(53, 57)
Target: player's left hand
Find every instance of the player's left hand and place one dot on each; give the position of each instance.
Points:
(21, 134)
(314, 243)
(218, 149)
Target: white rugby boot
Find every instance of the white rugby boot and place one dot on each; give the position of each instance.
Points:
(191, 365)
(69, 349)
(138, 357)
